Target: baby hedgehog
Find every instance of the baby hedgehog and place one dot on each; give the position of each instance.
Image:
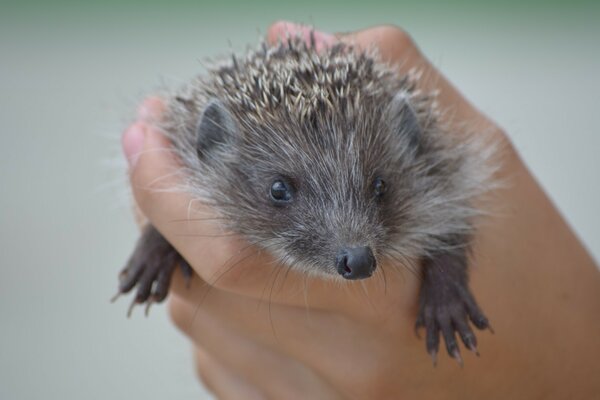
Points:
(333, 163)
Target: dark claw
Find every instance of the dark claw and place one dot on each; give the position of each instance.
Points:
(148, 304)
(433, 355)
(130, 309)
(449, 337)
(456, 355)
(466, 334)
(479, 320)
(144, 285)
(475, 314)
(115, 297)
(150, 269)
(162, 283)
(432, 338)
(130, 275)
(447, 305)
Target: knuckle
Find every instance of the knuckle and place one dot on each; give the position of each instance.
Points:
(397, 35)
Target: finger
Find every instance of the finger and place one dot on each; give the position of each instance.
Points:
(222, 382)
(325, 342)
(149, 111)
(278, 376)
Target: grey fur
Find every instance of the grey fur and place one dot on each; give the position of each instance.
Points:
(330, 123)
(215, 128)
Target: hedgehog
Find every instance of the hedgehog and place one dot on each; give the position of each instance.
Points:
(333, 162)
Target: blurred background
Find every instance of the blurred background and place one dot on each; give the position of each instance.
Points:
(71, 75)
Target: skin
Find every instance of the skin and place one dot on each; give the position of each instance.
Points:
(259, 333)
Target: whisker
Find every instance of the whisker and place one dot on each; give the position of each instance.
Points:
(271, 302)
(384, 278)
(211, 285)
(403, 261)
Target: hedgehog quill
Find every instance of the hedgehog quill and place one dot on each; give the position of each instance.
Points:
(332, 162)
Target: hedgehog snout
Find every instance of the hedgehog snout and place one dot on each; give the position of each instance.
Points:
(355, 263)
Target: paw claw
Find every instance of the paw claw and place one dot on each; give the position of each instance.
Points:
(147, 309)
(433, 355)
(115, 297)
(150, 269)
(473, 348)
(457, 357)
(447, 312)
(130, 309)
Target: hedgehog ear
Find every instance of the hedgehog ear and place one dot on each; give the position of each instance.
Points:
(406, 121)
(216, 127)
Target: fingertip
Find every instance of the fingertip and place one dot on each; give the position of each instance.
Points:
(152, 170)
(282, 29)
(278, 30)
(323, 39)
(154, 139)
(132, 142)
(151, 108)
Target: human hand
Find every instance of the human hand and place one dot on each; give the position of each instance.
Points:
(263, 331)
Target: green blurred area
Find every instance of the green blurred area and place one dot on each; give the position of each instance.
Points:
(309, 11)
(273, 4)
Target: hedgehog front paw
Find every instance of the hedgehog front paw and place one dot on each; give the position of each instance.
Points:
(150, 269)
(446, 305)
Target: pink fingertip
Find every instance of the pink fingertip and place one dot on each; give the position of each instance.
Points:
(322, 39)
(150, 109)
(132, 142)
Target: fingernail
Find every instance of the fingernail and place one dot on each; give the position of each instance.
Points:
(150, 109)
(133, 142)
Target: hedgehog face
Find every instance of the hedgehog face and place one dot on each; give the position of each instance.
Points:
(329, 160)
(321, 224)
(319, 194)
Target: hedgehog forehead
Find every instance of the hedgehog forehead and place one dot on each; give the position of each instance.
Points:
(315, 115)
(339, 158)
(292, 76)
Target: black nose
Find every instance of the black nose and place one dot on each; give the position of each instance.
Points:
(355, 263)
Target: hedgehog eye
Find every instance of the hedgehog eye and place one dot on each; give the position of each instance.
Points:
(379, 186)
(281, 192)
